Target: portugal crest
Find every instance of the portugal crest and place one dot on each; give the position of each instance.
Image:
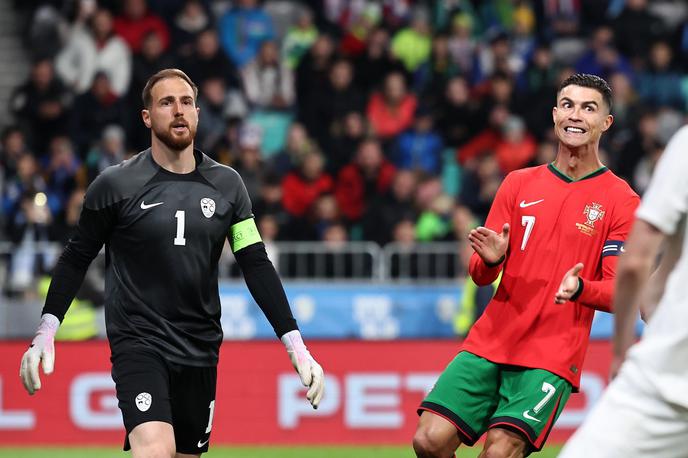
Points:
(593, 213)
(207, 207)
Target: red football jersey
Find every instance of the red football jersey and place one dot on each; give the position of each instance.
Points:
(554, 223)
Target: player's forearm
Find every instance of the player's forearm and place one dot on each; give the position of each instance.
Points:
(67, 277)
(266, 288)
(631, 279)
(596, 294)
(482, 273)
(71, 268)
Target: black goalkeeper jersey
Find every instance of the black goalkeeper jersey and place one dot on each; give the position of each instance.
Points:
(164, 233)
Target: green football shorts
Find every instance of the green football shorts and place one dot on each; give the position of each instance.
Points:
(475, 394)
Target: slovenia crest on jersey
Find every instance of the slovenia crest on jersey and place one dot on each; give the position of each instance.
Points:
(207, 207)
(593, 213)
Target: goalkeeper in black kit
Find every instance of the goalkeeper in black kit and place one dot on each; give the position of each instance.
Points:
(163, 216)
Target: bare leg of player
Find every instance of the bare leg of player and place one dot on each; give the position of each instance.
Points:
(153, 439)
(501, 443)
(435, 437)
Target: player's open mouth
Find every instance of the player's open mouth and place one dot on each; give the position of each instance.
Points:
(179, 127)
(574, 130)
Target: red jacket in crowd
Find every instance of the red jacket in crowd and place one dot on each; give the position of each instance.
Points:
(351, 188)
(298, 194)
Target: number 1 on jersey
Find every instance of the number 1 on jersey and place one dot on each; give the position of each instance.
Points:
(179, 239)
(528, 222)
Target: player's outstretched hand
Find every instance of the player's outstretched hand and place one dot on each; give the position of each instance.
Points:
(41, 351)
(489, 245)
(308, 369)
(569, 284)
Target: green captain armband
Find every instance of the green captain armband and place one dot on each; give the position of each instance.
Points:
(243, 234)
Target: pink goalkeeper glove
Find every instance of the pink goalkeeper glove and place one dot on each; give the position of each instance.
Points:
(309, 370)
(42, 349)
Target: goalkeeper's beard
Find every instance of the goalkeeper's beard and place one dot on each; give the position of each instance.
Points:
(173, 141)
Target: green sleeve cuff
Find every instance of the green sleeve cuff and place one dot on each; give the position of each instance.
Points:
(243, 234)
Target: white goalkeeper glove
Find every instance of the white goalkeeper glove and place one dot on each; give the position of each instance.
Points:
(42, 350)
(309, 370)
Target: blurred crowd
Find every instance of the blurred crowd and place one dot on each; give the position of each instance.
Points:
(388, 120)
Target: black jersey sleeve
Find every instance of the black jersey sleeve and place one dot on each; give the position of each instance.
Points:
(242, 202)
(266, 287)
(95, 224)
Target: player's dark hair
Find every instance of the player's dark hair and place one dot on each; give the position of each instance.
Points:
(591, 81)
(161, 75)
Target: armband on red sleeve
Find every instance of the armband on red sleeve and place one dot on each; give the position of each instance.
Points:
(481, 273)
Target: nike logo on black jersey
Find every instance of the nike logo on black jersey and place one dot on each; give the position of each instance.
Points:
(145, 206)
(523, 203)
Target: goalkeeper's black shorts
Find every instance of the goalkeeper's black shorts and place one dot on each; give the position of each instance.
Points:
(150, 388)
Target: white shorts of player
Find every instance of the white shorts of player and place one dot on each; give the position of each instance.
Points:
(631, 421)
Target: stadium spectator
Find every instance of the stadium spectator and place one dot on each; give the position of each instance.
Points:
(12, 147)
(243, 29)
(302, 187)
(94, 47)
(298, 39)
(537, 85)
(345, 139)
(412, 44)
(136, 21)
(457, 113)
(190, 22)
(481, 179)
(394, 205)
(269, 203)
(433, 222)
(322, 216)
(214, 102)
(110, 150)
(662, 84)
(93, 111)
(462, 44)
(431, 77)
(268, 82)
(635, 29)
(339, 97)
(420, 147)
(249, 162)
(641, 144)
(486, 140)
(391, 111)
(372, 66)
(358, 28)
(367, 176)
(297, 145)
(312, 78)
(208, 60)
(26, 183)
(404, 264)
(41, 105)
(462, 221)
(603, 57)
(61, 174)
(516, 147)
(497, 58)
